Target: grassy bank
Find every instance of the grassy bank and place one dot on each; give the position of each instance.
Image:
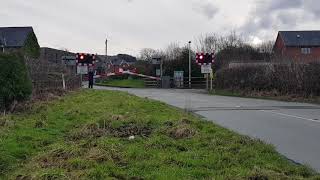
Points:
(125, 83)
(85, 135)
(266, 95)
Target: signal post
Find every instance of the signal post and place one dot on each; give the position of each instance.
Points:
(84, 62)
(205, 60)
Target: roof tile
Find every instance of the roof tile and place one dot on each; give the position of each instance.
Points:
(14, 36)
(301, 38)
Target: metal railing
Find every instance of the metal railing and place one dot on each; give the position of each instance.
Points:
(196, 83)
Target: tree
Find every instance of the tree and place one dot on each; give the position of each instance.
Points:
(231, 40)
(14, 79)
(147, 54)
(243, 53)
(266, 50)
(181, 63)
(207, 43)
(266, 47)
(172, 52)
(232, 48)
(143, 67)
(144, 64)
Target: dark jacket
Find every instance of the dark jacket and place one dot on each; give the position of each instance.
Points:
(91, 74)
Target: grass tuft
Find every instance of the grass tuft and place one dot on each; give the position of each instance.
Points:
(124, 83)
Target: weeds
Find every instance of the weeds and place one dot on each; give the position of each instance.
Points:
(182, 130)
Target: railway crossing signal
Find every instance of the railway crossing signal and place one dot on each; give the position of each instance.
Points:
(205, 58)
(83, 59)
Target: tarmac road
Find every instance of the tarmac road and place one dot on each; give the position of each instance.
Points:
(293, 128)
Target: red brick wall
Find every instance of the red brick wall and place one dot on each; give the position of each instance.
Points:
(296, 54)
(279, 46)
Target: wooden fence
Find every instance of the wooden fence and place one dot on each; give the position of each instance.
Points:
(49, 77)
(196, 83)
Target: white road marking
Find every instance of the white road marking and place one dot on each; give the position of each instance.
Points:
(288, 115)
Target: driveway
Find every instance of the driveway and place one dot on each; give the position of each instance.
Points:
(293, 128)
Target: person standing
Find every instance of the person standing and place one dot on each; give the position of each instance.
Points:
(90, 76)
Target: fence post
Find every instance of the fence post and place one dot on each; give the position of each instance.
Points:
(207, 81)
(81, 80)
(211, 81)
(63, 82)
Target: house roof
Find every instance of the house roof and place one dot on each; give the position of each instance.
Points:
(118, 59)
(300, 38)
(14, 36)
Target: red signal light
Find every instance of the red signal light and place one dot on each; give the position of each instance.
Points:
(82, 57)
(205, 58)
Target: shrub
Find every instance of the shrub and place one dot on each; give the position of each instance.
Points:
(14, 79)
(291, 78)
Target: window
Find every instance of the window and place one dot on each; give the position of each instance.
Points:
(306, 50)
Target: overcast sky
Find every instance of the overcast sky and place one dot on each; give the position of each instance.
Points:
(130, 25)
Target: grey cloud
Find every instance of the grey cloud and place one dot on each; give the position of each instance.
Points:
(313, 7)
(207, 9)
(288, 18)
(135, 24)
(284, 4)
(278, 14)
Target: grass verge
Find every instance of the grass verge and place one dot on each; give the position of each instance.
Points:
(266, 95)
(85, 135)
(126, 83)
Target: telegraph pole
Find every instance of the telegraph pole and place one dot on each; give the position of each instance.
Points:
(190, 64)
(106, 43)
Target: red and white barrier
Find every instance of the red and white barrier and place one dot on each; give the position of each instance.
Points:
(130, 73)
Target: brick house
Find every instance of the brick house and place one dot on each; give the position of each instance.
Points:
(303, 46)
(15, 38)
(113, 63)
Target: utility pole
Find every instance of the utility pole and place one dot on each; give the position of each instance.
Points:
(190, 64)
(161, 68)
(211, 81)
(106, 43)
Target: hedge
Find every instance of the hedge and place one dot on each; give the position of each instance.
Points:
(15, 84)
(291, 78)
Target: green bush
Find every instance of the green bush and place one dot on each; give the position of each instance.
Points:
(14, 79)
